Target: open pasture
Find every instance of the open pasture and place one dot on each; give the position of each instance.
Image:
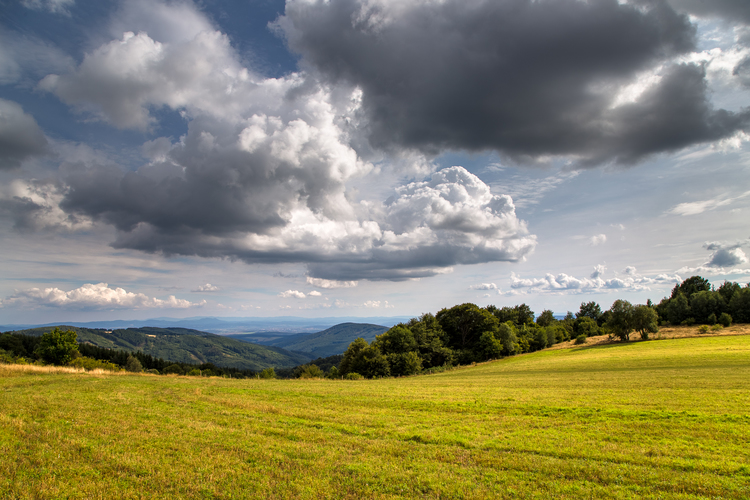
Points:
(659, 419)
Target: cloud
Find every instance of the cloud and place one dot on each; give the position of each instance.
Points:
(35, 205)
(527, 192)
(484, 286)
(563, 283)
(25, 59)
(93, 297)
(20, 136)
(698, 207)
(323, 283)
(122, 81)
(315, 293)
(526, 78)
(734, 11)
(175, 21)
(725, 255)
(598, 239)
(598, 271)
(262, 173)
(376, 304)
(53, 6)
(208, 287)
(296, 294)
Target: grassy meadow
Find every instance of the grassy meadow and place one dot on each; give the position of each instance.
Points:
(658, 419)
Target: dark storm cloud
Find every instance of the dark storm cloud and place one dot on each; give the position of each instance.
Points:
(20, 136)
(725, 254)
(526, 78)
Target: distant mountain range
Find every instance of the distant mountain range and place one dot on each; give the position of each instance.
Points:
(280, 325)
(331, 341)
(186, 346)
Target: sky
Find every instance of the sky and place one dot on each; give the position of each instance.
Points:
(323, 158)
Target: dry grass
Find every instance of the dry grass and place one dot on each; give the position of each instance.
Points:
(9, 370)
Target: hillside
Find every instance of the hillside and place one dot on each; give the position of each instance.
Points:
(332, 341)
(186, 346)
(655, 419)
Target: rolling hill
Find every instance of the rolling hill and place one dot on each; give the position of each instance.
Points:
(186, 346)
(331, 341)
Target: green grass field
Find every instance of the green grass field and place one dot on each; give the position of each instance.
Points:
(660, 419)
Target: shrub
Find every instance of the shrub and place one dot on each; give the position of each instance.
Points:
(581, 339)
(176, 369)
(152, 371)
(688, 322)
(268, 373)
(94, 364)
(725, 320)
(133, 365)
(194, 373)
(308, 371)
(703, 329)
(712, 319)
(57, 347)
(333, 373)
(353, 376)
(716, 328)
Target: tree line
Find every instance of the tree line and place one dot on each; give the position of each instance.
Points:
(467, 333)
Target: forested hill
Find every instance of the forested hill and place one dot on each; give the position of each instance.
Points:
(185, 346)
(332, 341)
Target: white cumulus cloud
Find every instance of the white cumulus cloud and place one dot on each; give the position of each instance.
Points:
(598, 239)
(208, 287)
(93, 296)
(323, 283)
(484, 286)
(564, 283)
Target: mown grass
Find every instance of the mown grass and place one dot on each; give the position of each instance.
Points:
(663, 419)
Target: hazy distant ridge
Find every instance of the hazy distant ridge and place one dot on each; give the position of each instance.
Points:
(331, 341)
(186, 346)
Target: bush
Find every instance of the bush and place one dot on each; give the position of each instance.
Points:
(353, 376)
(308, 371)
(703, 329)
(176, 369)
(725, 320)
(333, 373)
(712, 319)
(194, 373)
(94, 364)
(688, 322)
(152, 371)
(57, 347)
(581, 339)
(268, 373)
(133, 365)
(716, 328)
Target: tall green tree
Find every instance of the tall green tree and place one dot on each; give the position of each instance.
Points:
(645, 320)
(58, 347)
(621, 319)
(739, 306)
(589, 310)
(546, 318)
(691, 285)
(464, 324)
